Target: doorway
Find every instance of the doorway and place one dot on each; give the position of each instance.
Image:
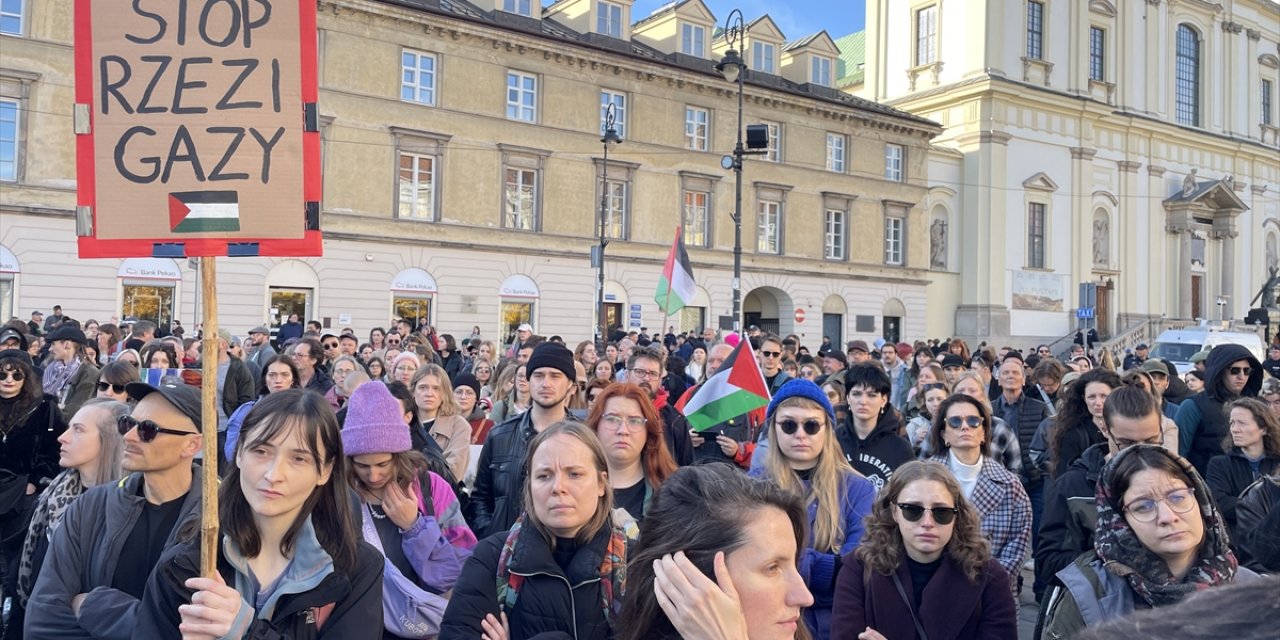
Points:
(1102, 315)
(613, 318)
(287, 301)
(892, 329)
(148, 302)
(1197, 292)
(833, 327)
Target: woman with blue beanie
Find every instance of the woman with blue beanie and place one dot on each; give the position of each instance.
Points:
(805, 458)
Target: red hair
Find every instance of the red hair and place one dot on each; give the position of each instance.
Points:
(654, 456)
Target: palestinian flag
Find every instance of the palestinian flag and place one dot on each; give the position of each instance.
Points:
(676, 288)
(204, 211)
(736, 388)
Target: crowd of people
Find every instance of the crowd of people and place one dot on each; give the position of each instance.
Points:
(428, 486)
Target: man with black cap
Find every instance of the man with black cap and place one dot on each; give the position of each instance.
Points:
(69, 375)
(496, 495)
(833, 365)
(952, 366)
(259, 347)
(11, 338)
(111, 537)
(858, 352)
(1135, 359)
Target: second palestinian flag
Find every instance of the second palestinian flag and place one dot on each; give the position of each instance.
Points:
(737, 387)
(676, 288)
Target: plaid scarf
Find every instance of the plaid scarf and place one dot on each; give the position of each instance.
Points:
(50, 506)
(613, 567)
(57, 374)
(1124, 555)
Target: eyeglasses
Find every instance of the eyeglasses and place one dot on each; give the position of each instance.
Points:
(16, 375)
(941, 515)
(789, 427)
(147, 430)
(1240, 371)
(642, 374)
(961, 422)
(633, 423)
(115, 388)
(770, 354)
(1146, 509)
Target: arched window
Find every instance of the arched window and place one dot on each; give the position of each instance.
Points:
(1187, 79)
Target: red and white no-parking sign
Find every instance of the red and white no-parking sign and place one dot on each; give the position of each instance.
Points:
(799, 316)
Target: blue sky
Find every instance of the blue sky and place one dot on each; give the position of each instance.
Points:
(796, 18)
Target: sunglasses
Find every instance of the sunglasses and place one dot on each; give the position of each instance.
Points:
(941, 515)
(16, 375)
(1240, 371)
(961, 422)
(789, 427)
(331, 345)
(115, 388)
(770, 354)
(147, 430)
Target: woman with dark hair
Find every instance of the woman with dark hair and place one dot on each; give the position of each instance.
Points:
(961, 440)
(68, 375)
(288, 564)
(805, 458)
(1159, 538)
(30, 424)
(871, 438)
(450, 359)
(603, 370)
(1078, 424)
(631, 432)
(376, 368)
(918, 428)
(279, 373)
(160, 354)
(1253, 451)
(930, 373)
(407, 512)
(108, 337)
(440, 415)
(717, 561)
(924, 569)
(585, 353)
(377, 338)
(562, 565)
(959, 348)
(113, 378)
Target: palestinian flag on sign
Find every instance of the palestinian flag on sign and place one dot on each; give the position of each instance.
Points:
(736, 388)
(676, 288)
(204, 211)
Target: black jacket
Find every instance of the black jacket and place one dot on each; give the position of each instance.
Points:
(1200, 440)
(353, 601)
(239, 387)
(1070, 514)
(496, 493)
(31, 444)
(1228, 476)
(552, 598)
(1023, 417)
(883, 450)
(677, 435)
(1258, 521)
(1074, 442)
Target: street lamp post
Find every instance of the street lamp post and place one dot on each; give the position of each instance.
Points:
(733, 68)
(609, 137)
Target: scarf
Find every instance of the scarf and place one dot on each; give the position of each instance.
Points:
(50, 506)
(613, 567)
(1124, 555)
(58, 373)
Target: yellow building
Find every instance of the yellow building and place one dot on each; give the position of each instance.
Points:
(463, 172)
(1131, 145)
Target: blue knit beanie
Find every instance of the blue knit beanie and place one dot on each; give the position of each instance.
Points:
(801, 388)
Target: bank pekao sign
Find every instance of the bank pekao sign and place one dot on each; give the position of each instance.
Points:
(149, 269)
(519, 286)
(197, 128)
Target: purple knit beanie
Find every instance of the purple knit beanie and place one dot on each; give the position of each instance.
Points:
(375, 422)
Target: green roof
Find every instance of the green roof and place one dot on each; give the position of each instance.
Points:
(853, 52)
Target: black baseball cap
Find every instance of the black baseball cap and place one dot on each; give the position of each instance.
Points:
(11, 334)
(185, 398)
(954, 360)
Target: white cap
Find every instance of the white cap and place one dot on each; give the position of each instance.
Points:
(525, 327)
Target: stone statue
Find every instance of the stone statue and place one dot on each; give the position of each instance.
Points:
(1189, 184)
(1101, 241)
(1272, 258)
(1229, 182)
(1268, 293)
(938, 244)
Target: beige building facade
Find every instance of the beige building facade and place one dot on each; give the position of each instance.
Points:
(1130, 145)
(463, 175)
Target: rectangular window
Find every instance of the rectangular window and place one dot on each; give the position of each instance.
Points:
(893, 162)
(693, 40)
(521, 199)
(521, 7)
(1035, 30)
(697, 219)
(820, 71)
(417, 77)
(1035, 235)
(696, 128)
(927, 35)
(762, 57)
(893, 237)
(9, 140)
(1266, 102)
(11, 16)
(835, 152)
(609, 19)
(619, 102)
(417, 186)
(615, 212)
(774, 152)
(522, 96)
(769, 227)
(835, 235)
(1097, 54)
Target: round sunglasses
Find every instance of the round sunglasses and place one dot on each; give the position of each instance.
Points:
(789, 427)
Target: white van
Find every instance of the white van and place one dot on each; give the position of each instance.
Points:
(1178, 345)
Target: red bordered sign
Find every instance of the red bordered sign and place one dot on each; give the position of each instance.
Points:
(197, 128)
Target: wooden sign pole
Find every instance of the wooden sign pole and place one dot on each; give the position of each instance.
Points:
(209, 410)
